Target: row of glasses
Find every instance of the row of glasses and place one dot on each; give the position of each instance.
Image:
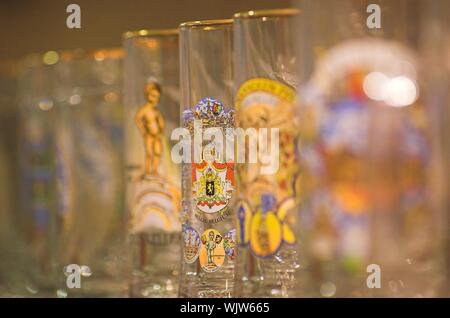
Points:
(10, 246)
(280, 153)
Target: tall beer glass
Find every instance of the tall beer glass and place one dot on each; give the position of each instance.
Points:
(151, 78)
(208, 176)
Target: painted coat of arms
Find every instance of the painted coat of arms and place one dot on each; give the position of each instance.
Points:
(212, 188)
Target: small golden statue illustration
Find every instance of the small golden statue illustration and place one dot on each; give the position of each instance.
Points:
(210, 247)
(151, 125)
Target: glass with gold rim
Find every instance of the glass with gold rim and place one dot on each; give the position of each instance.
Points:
(151, 86)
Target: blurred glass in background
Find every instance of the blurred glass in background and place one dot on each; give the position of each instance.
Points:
(435, 54)
(71, 166)
(86, 181)
(90, 168)
(367, 155)
(38, 219)
(152, 111)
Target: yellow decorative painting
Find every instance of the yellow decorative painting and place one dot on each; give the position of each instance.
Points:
(212, 251)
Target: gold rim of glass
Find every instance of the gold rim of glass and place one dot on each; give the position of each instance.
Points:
(266, 13)
(209, 24)
(149, 32)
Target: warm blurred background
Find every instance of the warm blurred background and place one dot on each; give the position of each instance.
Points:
(36, 26)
